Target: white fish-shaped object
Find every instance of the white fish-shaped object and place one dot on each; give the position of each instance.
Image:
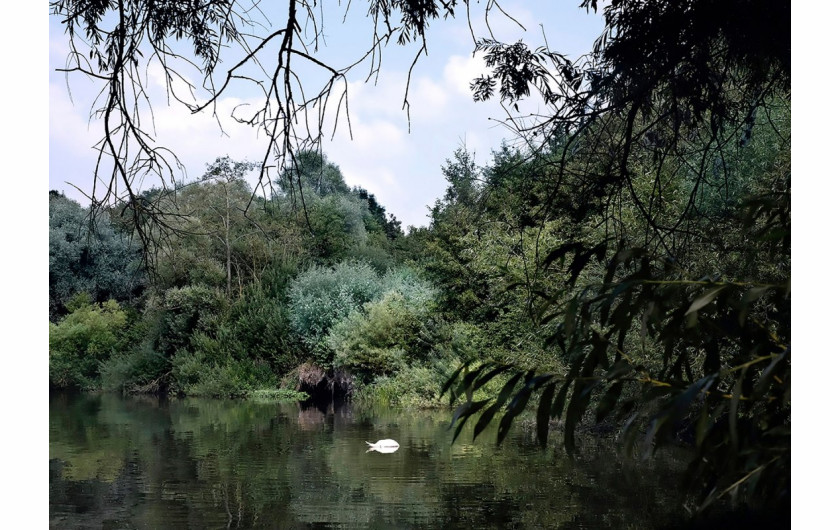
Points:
(383, 446)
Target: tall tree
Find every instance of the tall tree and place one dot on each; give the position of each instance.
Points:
(228, 198)
(87, 254)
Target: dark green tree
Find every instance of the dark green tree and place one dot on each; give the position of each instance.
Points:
(312, 171)
(87, 254)
(675, 308)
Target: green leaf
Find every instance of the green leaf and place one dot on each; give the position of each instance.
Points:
(705, 299)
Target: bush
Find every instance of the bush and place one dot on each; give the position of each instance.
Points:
(182, 312)
(81, 341)
(136, 371)
(416, 387)
(195, 374)
(416, 292)
(258, 328)
(388, 333)
(378, 340)
(320, 297)
(277, 394)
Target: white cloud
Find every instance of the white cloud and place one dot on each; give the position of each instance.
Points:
(67, 124)
(460, 71)
(401, 169)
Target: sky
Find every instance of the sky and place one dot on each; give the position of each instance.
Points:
(400, 167)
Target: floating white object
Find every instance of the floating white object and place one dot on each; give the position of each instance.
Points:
(383, 446)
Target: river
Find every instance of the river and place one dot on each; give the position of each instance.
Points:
(144, 462)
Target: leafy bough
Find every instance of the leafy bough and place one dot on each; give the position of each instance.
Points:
(705, 361)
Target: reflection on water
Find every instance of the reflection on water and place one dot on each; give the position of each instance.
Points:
(146, 463)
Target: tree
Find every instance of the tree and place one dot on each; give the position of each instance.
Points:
(115, 43)
(675, 311)
(89, 255)
(226, 205)
(311, 170)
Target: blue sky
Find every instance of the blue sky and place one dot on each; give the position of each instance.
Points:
(402, 169)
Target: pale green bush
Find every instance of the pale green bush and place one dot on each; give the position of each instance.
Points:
(321, 296)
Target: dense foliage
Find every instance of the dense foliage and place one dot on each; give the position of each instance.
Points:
(667, 178)
(239, 297)
(625, 266)
(88, 254)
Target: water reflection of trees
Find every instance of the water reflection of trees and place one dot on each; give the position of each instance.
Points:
(204, 463)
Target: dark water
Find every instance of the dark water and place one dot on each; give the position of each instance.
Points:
(140, 462)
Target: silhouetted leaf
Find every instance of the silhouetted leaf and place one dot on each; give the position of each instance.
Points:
(464, 412)
(465, 385)
(487, 416)
(581, 394)
(544, 413)
(515, 408)
(749, 297)
(452, 379)
(538, 381)
(768, 373)
(484, 379)
(607, 403)
(485, 419)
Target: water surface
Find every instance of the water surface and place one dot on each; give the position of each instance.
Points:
(142, 462)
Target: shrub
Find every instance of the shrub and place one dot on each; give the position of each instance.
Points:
(416, 292)
(415, 387)
(320, 297)
(182, 312)
(277, 394)
(81, 341)
(135, 371)
(194, 374)
(387, 333)
(377, 340)
(258, 328)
